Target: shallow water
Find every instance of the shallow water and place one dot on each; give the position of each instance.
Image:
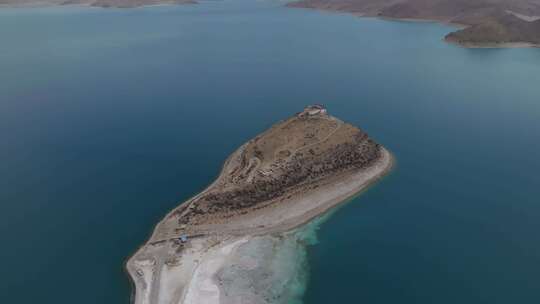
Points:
(270, 269)
(108, 118)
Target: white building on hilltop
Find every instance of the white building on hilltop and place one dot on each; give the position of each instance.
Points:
(315, 109)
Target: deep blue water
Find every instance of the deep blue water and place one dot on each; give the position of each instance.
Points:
(109, 118)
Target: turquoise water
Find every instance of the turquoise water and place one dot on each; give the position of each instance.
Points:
(108, 118)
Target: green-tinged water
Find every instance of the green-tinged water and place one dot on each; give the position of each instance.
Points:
(303, 237)
(109, 118)
(270, 269)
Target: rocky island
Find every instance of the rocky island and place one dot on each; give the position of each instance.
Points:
(228, 244)
(483, 23)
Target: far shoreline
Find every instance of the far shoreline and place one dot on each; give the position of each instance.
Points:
(39, 5)
(492, 45)
(457, 26)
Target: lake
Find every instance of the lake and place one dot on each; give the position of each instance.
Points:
(109, 118)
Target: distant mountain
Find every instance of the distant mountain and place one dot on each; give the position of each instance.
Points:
(126, 3)
(501, 28)
(98, 3)
(489, 22)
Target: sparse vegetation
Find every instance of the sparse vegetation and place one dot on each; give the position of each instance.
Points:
(292, 154)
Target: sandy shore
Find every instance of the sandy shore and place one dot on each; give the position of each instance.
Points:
(203, 288)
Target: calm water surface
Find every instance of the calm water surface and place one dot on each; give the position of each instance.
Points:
(108, 118)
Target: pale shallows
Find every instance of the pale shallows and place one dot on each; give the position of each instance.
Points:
(281, 179)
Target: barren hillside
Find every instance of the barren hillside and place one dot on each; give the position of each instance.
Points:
(264, 176)
(490, 21)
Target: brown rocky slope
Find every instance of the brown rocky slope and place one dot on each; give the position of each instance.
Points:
(488, 22)
(293, 169)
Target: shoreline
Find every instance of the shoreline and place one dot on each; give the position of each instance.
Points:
(503, 45)
(64, 4)
(424, 20)
(379, 17)
(458, 26)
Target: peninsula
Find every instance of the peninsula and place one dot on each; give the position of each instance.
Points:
(222, 245)
(483, 23)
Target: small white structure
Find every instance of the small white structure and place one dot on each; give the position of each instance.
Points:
(316, 109)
